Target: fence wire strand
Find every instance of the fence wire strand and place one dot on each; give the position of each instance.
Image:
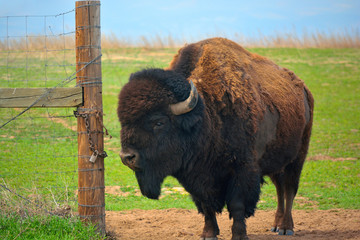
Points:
(39, 150)
(50, 90)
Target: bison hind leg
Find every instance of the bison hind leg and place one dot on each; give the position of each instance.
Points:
(286, 183)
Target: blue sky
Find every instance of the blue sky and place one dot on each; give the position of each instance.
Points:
(193, 19)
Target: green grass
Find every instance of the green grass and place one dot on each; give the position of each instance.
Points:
(40, 227)
(38, 155)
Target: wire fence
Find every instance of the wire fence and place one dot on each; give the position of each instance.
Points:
(38, 159)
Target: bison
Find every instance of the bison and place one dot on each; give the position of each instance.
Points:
(218, 119)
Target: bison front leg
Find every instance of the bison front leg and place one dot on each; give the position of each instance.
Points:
(242, 195)
(211, 228)
(237, 212)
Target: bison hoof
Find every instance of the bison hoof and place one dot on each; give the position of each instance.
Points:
(274, 229)
(286, 232)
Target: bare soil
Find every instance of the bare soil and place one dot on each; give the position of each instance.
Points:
(187, 224)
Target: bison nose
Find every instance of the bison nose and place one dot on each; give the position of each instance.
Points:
(130, 159)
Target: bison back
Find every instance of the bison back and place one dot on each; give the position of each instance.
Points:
(234, 82)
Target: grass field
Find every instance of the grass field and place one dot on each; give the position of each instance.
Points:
(39, 154)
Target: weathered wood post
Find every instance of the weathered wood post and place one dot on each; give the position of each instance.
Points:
(91, 187)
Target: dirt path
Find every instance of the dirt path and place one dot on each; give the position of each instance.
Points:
(187, 224)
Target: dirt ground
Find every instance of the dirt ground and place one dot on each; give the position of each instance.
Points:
(187, 224)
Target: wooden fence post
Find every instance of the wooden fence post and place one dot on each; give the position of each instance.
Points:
(91, 186)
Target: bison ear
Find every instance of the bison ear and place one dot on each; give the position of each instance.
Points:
(193, 120)
(189, 123)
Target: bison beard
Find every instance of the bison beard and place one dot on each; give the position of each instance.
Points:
(218, 120)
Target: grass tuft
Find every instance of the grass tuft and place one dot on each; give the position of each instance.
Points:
(45, 227)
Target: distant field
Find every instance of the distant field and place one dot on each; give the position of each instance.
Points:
(330, 177)
(345, 38)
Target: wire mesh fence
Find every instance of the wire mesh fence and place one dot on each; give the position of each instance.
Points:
(38, 160)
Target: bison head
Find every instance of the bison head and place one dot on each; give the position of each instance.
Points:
(161, 115)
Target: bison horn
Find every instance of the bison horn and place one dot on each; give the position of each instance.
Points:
(188, 104)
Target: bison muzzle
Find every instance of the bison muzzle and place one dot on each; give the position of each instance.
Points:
(218, 119)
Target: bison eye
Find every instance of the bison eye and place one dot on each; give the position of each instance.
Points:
(158, 122)
(158, 125)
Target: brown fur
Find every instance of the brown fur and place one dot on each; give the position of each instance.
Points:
(217, 69)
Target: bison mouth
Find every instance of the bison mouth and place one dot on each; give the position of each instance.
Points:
(148, 178)
(150, 185)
